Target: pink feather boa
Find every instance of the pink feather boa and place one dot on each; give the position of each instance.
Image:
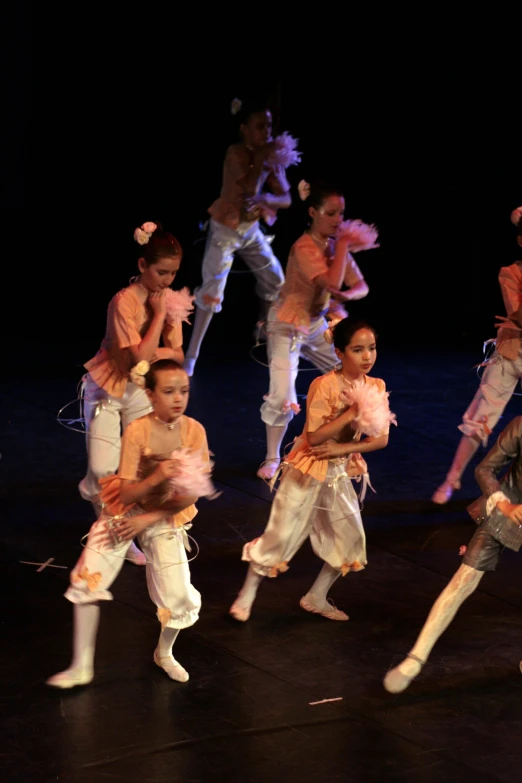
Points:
(373, 409)
(284, 153)
(180, 305)
(192, 476)
(362, 236)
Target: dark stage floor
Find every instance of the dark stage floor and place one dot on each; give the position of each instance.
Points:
(245, 714)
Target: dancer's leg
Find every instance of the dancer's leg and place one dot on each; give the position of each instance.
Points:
(222, 242)
(461, 586)
(242, 606)
(81, 670)
(496, 389)
(279, 407)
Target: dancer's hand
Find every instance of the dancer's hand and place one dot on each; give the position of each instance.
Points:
(130, 527)
(166, 469)
(255, 202)
(329, 450)
(158, 302)
(511, 510)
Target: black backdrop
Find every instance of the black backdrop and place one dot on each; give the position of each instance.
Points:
(135, 128)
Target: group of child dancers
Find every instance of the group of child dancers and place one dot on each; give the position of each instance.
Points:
(148, 463)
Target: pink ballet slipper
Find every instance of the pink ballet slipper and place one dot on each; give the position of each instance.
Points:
(169, 665)
(444, 492)
(70, 678)
(268, 469)
(333, 613)
(396, 681)
(239, 612)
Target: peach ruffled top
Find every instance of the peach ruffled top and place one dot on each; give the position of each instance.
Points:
(137, 462)
(128, 320)
(508, 337)
(228, 208)
(301, 299)
(324, 404)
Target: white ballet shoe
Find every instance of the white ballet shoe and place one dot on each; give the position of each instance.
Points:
(268, 469)
(332, 613)
(444, 492)
(169, 665)
(239, 611)
(70, 678)
(397, 681)
(136, 556)
(188, 366)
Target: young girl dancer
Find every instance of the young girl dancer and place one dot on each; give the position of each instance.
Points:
(315, 497)
(319, 265)
(499, 514)
(254, 186)
(137, 320)
(139, 501)
(501, 374)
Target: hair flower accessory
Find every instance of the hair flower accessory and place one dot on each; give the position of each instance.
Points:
(235, 106)
(516, 215)
(329, 333)
(144, 233)
(138, 373)
(303, 189)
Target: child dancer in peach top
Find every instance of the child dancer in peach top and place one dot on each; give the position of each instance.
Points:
(140, 501)
(315, 497)
(137, 320)
(319, 265)
(254, 186)
(501, 374)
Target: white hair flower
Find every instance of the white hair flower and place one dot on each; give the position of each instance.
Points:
(235, 106)
(138, 373)
(303, 189)
(144, 233)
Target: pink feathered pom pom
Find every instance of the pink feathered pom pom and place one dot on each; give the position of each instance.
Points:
(284, 153)
(192, 476)
(180, 305)
(361, 235)
(373, 409)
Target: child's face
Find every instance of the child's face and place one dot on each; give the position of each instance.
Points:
(359, 356)
(170, 397)
(327, 219)
(158, 276)
(258, 130)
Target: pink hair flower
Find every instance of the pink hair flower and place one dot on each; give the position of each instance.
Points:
(144, 233)
(303, 189)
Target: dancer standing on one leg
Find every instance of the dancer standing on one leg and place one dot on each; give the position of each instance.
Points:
(499, 514)
(501, 375)
(254, 186)
(315, 497)
(142, 500)
(319, 266)
(137, 320)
